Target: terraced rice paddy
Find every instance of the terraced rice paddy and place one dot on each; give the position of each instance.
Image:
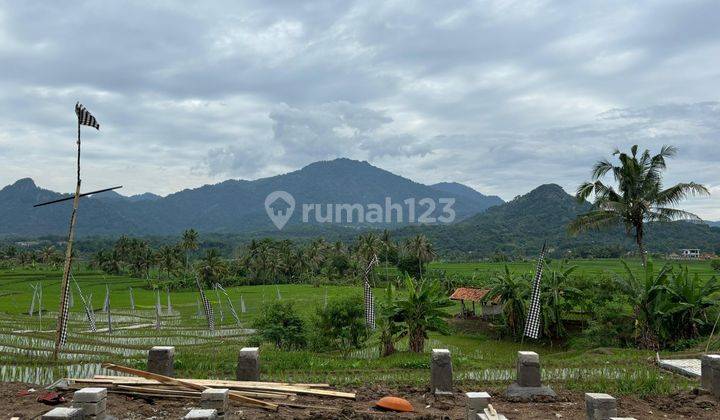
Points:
(26, 342)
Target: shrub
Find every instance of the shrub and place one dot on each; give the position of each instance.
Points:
(341, 325)
(280, 324)
(715, 264)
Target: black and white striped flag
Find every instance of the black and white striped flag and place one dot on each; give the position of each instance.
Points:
(369, 298)
(85, 117)
(532, 324)
(206, 305)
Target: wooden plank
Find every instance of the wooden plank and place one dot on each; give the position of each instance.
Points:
(214, 381)
(147, 389)
(172, 381)
(242, 385)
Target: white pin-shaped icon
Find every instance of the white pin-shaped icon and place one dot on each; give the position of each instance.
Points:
(279, 206)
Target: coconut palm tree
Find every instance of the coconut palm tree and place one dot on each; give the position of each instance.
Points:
(639, 198)
(189, 243)
(211, 267)
(421, 249)
(421, 310)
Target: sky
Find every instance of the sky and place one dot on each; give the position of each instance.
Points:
(499, 95)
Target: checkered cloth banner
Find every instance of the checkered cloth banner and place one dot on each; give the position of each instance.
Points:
(64, 313)
(532, 324)
(85, 117)
(206, 305)
(369, 298)
(90, 314)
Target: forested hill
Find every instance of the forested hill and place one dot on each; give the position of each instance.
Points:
(229, 207)
(520, 226)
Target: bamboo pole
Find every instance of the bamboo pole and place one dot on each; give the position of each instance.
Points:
(65, 284)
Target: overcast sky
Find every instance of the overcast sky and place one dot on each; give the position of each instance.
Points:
(500, 95)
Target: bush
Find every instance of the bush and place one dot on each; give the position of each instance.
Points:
(341, 325)
(280, 324)
(715, 264)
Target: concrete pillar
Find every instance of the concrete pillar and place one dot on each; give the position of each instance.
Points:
(441, 374)
(706, 369)
(66, 413)
(600, 406)
(93, 402)
(201, 414)
(528, 369)
(477, 402)
(161, 360)
(217, 399)
(248, 367)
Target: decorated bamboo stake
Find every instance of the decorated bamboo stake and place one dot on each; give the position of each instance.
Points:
(87, 304)
(109, 317)
(219, 301)
(230, 304)
(132, 300)
(61, 331)
(277, 289)
(32, 304)
(242, 305)
(169, 305)
(106, 303)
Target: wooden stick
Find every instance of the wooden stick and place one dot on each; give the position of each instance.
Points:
(172, 381)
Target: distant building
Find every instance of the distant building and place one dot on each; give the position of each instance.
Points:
(492, 307)
(690, 253)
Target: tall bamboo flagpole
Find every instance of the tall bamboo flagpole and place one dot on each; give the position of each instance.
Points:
(61, 332)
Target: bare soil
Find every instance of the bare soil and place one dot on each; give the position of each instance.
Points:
(568, 405)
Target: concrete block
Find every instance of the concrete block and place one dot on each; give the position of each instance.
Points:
(217, 399)
(600, 406)
(63, 413)
(623, 418)
(161, 360)
(92, 408)
(89, 395)
(706, 364)
(528, 369)
(441, 373)
(248, 367)
(201, 414)
(477, 402)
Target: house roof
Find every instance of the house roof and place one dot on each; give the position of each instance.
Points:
(473, 295)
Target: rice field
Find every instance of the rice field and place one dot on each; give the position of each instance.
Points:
(26, 341)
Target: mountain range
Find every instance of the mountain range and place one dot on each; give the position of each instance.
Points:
(234, 211)
(232, 206)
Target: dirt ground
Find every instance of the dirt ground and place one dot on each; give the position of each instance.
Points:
(568, 405)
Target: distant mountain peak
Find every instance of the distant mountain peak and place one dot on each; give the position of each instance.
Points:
(25, 183)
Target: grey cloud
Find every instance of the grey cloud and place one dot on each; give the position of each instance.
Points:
(502, 95)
